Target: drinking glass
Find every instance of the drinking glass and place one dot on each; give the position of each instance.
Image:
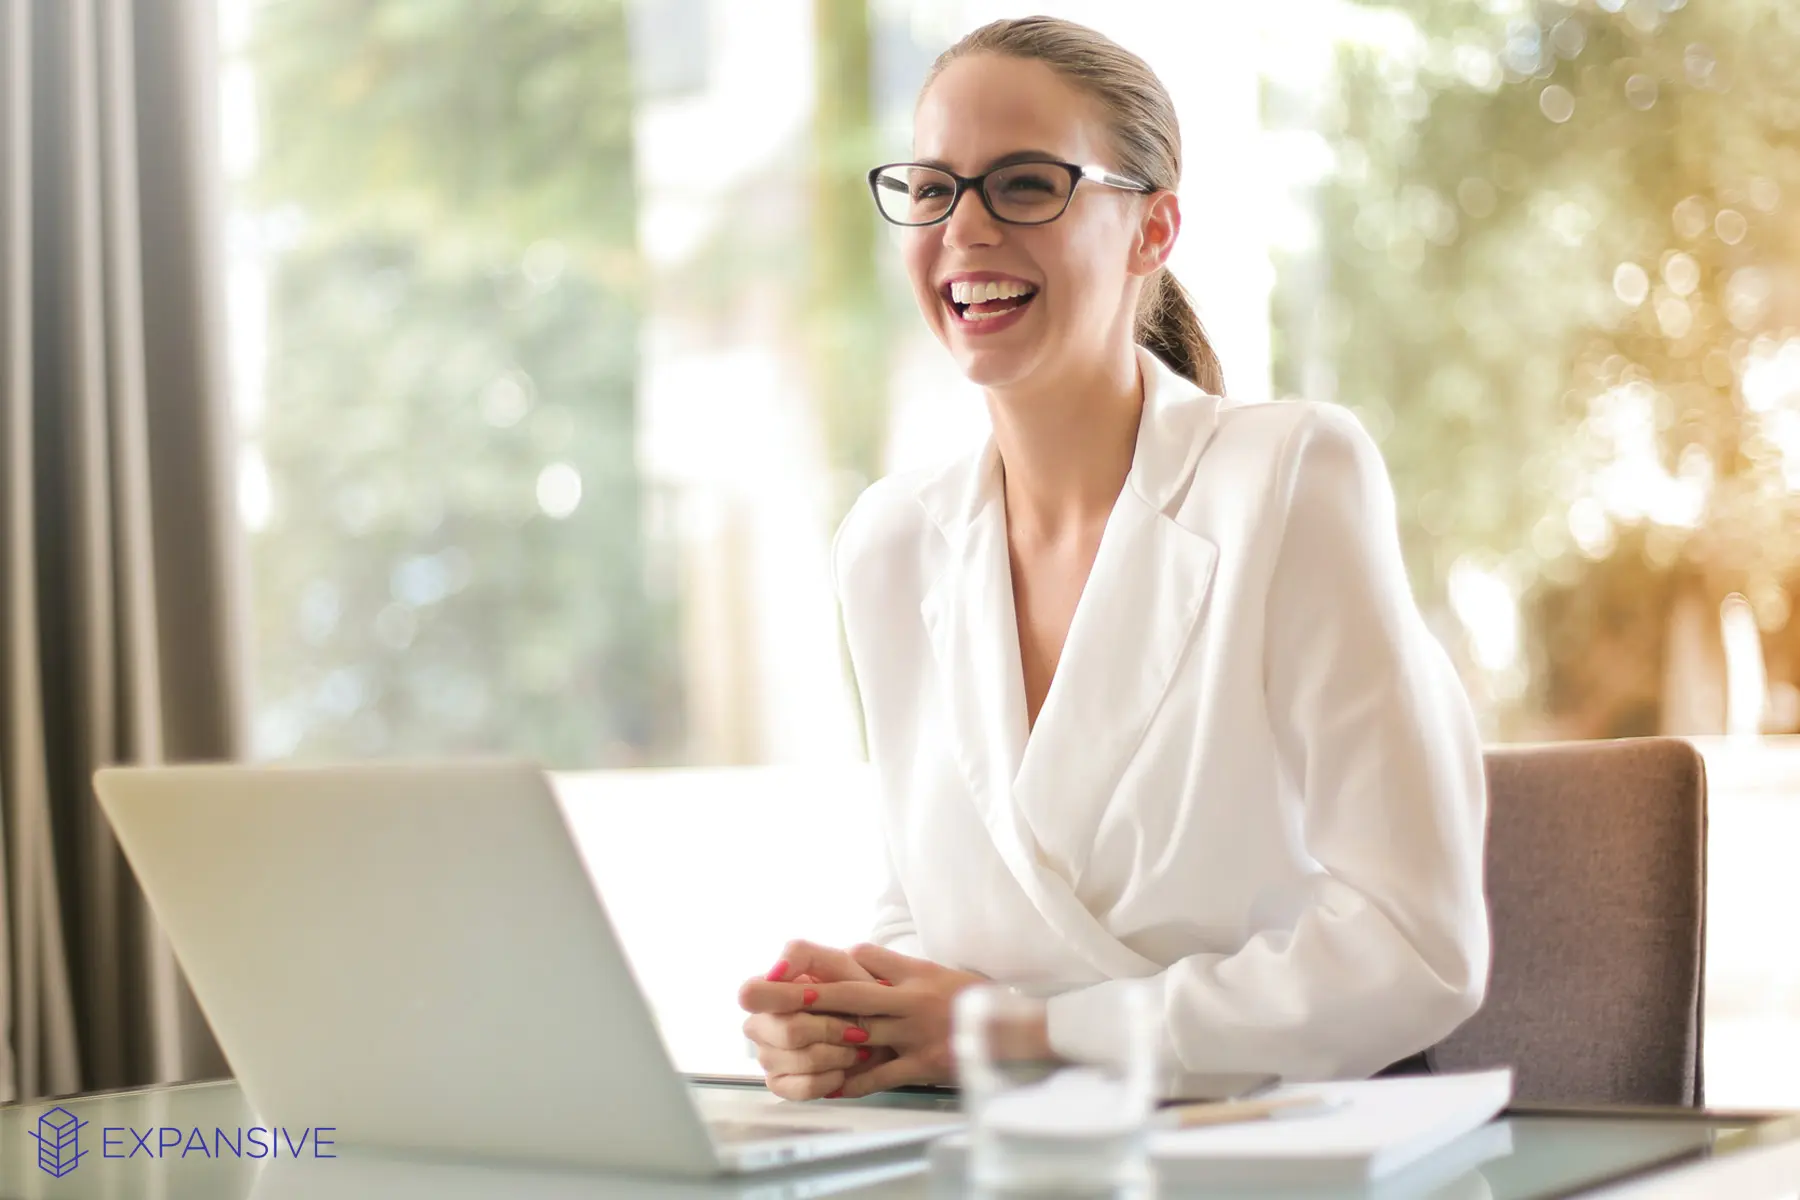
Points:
(1057, 1126)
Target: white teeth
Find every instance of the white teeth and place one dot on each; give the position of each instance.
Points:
(965, 292)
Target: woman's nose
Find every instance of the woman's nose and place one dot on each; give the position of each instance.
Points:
(970, 223)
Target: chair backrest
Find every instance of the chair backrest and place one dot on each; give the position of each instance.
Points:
(1596, 877)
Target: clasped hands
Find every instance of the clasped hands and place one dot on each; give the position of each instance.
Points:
(829, 1023)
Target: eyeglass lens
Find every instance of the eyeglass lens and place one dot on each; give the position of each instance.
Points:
(1025, 193)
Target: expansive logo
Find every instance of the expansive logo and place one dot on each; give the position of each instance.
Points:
(58, 1135)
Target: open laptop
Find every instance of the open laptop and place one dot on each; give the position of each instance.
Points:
(415, 957)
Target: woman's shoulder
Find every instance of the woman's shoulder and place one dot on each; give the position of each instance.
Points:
(1280, 427)
(886, 511)
(892, 523)
(1268, 464)
(1276, 440)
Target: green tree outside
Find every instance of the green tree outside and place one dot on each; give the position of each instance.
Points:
(1545, 236)
(456, 557)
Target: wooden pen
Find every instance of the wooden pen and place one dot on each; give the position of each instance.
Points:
(1230, 1112)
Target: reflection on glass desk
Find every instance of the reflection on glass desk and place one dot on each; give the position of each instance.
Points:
(1552, 1154)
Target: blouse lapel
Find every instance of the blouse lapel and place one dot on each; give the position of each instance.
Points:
(1131, 629)
(1134, 621)
(1041, 799)
(965, 614)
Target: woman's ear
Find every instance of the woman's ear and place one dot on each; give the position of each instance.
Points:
(1156, 233)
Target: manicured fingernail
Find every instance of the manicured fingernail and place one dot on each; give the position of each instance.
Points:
(837, 1095)
(856, 1035)
(885, 982)
(807, 997)
(865, 1054)
(777, 971)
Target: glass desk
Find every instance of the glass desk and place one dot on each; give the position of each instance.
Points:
(1542, 1153)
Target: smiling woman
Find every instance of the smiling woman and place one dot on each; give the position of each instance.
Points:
(1146, 690)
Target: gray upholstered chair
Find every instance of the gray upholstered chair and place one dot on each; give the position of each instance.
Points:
(1596, 866)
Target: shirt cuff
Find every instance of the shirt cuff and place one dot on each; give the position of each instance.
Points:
(1082, 1025)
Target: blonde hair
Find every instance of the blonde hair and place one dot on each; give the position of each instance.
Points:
(1141, 119)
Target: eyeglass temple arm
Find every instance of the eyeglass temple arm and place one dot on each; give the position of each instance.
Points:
(1102, 175)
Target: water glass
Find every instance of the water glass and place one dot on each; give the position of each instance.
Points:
(1057, 1126)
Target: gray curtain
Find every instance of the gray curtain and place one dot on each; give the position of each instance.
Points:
(119, 589)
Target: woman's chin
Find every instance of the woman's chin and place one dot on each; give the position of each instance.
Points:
(991, 365)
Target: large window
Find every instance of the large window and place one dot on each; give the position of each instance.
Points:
(564, 333)
(441, 313)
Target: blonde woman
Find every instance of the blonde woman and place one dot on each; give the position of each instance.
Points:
(1146, 691)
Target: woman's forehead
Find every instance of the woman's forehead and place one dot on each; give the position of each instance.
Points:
(984, 107)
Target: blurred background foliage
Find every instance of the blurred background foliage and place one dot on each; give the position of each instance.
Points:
(1554, 269)
(1562, 283)
(456, 559)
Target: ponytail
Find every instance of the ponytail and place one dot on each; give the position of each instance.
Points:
(1170, 328)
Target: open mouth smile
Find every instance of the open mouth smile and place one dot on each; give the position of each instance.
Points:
(987, 305)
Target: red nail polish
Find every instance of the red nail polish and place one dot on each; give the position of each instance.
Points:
(856, 1035)
(777, 971)
(865, 1054)
(884, 982)
(837, 1095)
(807, 997)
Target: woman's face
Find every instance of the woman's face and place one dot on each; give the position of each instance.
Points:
(1079, 270)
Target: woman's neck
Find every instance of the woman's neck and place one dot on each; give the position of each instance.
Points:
(1067, 447)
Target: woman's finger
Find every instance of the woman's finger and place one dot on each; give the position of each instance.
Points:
(792, 983)
(860, 999)
(806, 1087)
(887, 964)
(810, 1060)
(761, 996)
(795, 1031)
(898, 1073)
(821, 962)
(877, 1055)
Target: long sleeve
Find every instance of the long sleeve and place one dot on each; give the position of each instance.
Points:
(893, 925)
(1387, 948)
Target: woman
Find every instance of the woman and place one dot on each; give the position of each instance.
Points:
(1145, 688)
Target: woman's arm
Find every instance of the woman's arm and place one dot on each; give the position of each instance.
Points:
(1389, 951)
(893, 925)
(893, 918)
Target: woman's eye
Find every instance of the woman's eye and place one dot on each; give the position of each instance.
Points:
(1029, 183)
(929, 191)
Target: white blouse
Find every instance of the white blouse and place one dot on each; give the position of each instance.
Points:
(1255, 777)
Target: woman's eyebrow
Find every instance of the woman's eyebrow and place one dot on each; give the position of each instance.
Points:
(1005, 160)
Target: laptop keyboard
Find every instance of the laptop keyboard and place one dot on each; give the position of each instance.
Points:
(734, 1133)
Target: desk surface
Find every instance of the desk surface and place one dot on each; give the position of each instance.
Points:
(1553, 1154)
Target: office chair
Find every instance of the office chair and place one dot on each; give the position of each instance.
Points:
(1596, 878)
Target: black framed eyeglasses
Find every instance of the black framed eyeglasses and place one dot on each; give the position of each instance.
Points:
(1022, 193)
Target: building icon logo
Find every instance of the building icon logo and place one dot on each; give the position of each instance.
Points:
(58, 1137)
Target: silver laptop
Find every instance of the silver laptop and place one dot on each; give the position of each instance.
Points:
(416, 957)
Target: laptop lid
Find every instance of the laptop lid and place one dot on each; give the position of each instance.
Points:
(412, 955)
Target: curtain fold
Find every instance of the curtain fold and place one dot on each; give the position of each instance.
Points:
(118, 625)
